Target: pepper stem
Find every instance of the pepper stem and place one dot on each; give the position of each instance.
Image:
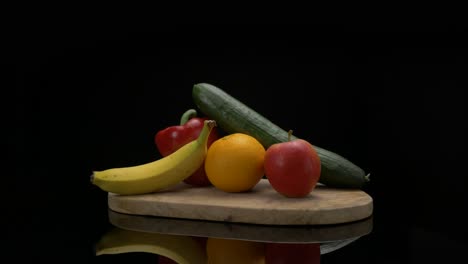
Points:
(289, 134)
(187, 115)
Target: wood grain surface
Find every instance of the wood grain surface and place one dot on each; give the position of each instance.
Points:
(242, 231)
(261, 205)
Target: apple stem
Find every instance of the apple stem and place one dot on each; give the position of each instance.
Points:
(289, 134)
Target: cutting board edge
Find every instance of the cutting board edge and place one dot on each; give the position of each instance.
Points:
(263, 206)
(366, 210)
(242, 231)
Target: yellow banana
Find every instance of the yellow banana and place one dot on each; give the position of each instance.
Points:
(156, 175)
(182, 249)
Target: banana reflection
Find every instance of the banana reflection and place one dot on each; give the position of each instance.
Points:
(181, 249)
(191, 241)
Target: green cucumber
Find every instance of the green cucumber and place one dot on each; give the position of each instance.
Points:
(233, 116)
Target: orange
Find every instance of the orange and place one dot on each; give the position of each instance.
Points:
(234, 163)
(227, 251)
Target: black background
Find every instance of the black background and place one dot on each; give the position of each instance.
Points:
(390, 99)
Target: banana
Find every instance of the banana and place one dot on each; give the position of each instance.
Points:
(181, 249)
(156, 175)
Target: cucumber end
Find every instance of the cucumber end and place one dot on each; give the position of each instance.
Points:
(367, 178)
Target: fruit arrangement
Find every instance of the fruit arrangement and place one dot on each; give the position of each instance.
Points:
(253, 147)
(172, 138)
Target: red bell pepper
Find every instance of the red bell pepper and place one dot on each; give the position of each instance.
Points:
(172, 138)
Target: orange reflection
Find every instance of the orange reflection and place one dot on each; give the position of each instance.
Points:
(227, 251)
(219, 250)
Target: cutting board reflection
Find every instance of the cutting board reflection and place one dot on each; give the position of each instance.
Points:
(262, 205)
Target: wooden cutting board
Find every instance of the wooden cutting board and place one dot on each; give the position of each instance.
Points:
(261, 205)
(242, 231)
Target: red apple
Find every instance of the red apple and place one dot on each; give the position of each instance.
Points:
(292, 167)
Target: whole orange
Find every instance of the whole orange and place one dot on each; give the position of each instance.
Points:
(234, 163)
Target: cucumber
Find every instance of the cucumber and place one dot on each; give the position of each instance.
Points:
(233, 116)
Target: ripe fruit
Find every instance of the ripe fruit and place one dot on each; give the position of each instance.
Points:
(292, 167)
(228, 251)
(159, 174)
(234, 116)
(173, 138)
(234, 163)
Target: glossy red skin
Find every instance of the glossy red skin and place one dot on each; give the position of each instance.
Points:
(285, 253)
(292, 167)
(172, 138)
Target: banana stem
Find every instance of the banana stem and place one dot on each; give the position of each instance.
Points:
(205, 133)
(187, 115)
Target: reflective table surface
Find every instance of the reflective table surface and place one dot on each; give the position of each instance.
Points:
(171, 240)
(84, 230)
